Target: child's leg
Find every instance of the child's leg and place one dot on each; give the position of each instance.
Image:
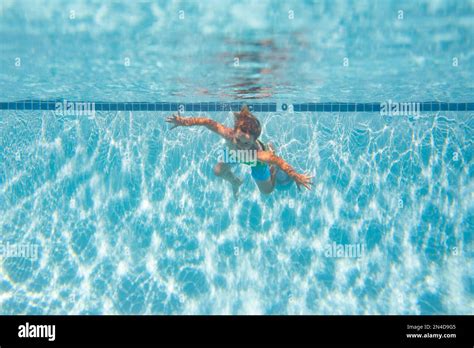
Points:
(223, 170)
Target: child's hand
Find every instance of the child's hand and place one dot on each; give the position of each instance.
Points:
(303, 179)
(176, 120)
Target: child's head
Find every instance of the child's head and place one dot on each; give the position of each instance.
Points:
(247, 124)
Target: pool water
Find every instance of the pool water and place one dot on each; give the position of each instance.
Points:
(117, 214)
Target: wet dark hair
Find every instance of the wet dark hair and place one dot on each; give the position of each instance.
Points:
(247, 122)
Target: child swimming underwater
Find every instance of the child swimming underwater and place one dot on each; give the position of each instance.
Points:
(268, 168)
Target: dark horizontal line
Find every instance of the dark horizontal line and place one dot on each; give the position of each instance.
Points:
(71, 106)
(134, 106)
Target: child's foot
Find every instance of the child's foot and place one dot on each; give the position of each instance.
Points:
(235, 187)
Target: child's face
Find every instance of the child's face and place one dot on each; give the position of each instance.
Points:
(243, 140)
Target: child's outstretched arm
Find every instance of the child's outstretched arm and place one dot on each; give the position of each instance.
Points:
(271, 158)
(214, 126)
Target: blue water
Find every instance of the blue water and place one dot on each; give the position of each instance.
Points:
(127, 216)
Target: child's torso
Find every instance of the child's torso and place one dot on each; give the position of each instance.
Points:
(259, 147)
